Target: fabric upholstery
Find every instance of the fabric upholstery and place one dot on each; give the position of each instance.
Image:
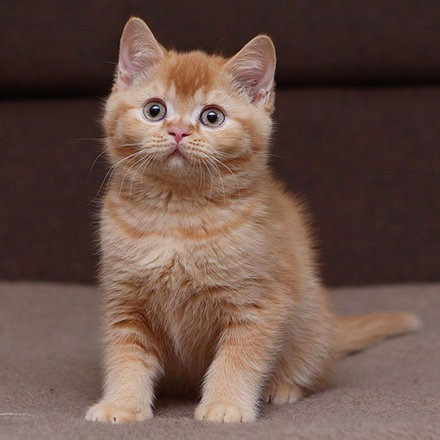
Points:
(357, 124)
(50, 362)
(70, 47)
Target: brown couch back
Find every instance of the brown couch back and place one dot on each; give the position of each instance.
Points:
(70, 47)
(358, 124)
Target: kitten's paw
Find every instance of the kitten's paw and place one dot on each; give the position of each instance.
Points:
(224, 413)
(108, 412)
(280, 393)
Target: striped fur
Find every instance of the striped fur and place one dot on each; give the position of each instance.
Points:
(208, 272)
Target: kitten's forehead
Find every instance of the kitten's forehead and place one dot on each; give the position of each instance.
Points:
(191, 74)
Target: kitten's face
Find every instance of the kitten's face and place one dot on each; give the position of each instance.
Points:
(184, 117)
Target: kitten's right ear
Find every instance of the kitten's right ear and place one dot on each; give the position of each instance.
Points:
(138, 50)
(253, 69)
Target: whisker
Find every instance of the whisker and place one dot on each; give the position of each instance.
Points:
(143, 164)
(106, 149)
(148, 162)
(131, 167)
(101, 139)
(202, 156)
(210, 178)
(142, 160)
(112, 169)
(94, 162)
(201, 177)
(216, 169)
(232, 173)
(128, 169)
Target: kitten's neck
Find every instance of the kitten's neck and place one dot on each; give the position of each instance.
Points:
(162, 194)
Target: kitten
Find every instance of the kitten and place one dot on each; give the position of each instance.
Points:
(207, 271)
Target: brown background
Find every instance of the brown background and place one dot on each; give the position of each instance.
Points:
(357, 135)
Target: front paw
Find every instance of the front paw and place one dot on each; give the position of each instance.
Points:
(224, 413)
(105, 411)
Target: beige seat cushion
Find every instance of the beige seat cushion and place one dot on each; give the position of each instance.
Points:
(49, 358)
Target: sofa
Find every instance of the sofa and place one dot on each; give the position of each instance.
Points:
(356, 136)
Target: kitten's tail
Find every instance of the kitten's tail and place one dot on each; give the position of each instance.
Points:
(354, 333)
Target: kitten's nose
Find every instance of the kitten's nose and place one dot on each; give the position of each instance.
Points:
(178, 132)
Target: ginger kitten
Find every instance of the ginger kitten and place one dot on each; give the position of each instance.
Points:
(208, 274)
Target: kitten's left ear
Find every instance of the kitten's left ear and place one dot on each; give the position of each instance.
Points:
(253, 68)
(138, 50)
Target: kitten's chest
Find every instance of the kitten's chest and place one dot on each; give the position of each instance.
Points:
(180, 255)
(170, 264)
(178, 279)
(187, 274)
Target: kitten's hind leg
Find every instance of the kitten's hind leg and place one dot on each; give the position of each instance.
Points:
(282, 392)
(303, 367)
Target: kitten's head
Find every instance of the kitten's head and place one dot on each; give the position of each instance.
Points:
(190, 119)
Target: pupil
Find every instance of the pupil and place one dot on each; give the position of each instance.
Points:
(154, 110)
(212, 117)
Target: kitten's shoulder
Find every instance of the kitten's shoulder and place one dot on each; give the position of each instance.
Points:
(286, 205)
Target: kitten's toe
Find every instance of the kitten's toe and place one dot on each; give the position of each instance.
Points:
(280, 393)
(111, 413)
(224, 413)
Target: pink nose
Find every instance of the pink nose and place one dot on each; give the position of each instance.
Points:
(178, 133)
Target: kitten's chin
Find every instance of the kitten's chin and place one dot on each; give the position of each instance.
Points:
(178, 169)
(176, 161)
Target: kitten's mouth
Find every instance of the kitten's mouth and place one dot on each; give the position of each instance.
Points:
(177, 157)
(177, 152)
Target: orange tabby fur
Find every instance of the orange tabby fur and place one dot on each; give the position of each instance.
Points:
(207, 272)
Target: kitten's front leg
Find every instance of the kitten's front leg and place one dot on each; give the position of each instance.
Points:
(132, 363)
(233, 383)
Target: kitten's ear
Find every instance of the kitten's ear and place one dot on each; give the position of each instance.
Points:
(253, 68)
(138, 50)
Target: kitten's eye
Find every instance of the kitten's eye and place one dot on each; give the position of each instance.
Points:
(155, 110)
(212, 117)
